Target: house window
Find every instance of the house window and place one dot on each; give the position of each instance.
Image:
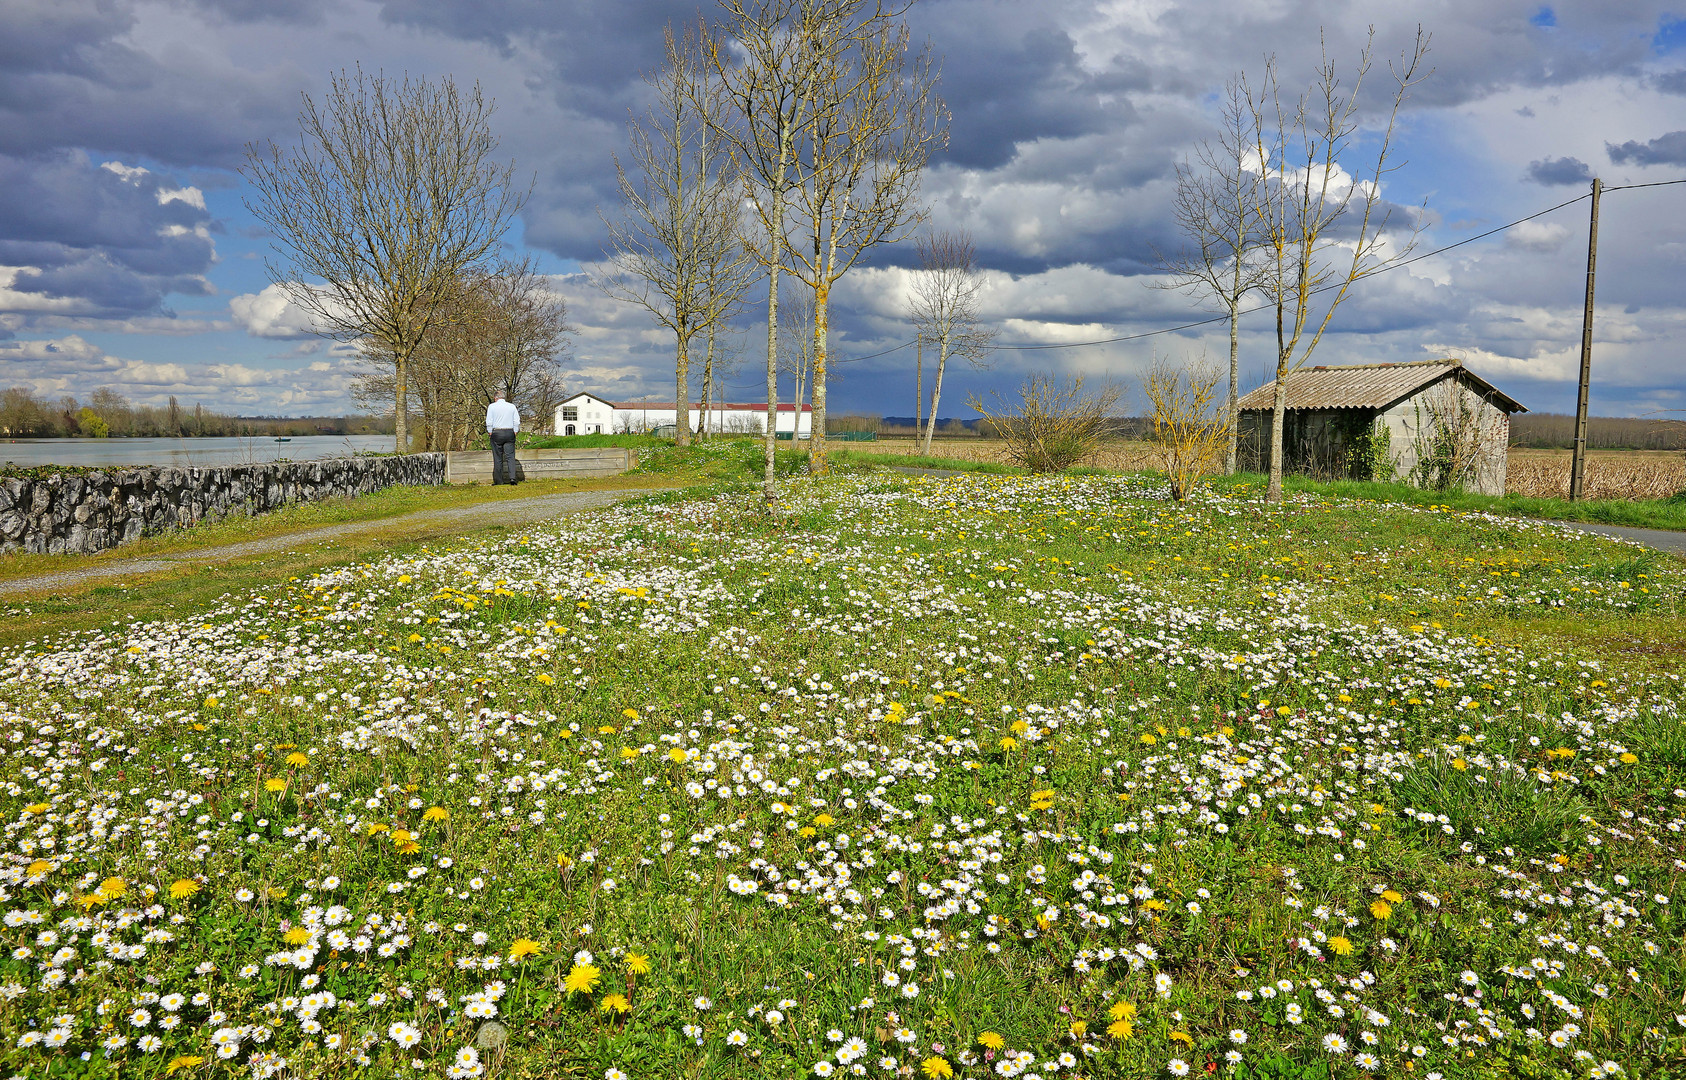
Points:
(570, 412)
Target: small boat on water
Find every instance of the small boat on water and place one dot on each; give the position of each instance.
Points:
(283, 439)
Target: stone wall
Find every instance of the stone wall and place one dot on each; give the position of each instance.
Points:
(91, 511)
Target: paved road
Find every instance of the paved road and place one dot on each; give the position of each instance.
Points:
(455, 519)
(1660, 539)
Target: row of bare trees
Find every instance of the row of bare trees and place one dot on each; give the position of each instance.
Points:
(1272, 210)
(787, 141)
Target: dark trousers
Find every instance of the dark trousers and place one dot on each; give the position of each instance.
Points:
(503, 456)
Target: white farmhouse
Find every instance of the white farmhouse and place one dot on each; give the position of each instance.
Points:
(588, 414)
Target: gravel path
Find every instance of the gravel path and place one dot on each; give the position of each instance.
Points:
(456, 519)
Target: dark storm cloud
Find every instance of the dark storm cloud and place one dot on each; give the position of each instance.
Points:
(69, 78)
(109, 240)
(1672, 83)
(1560, 171)
(1667, 149)
(247, 11)
(596, 51)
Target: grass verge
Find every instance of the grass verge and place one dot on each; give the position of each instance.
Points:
(1667, 513)
(302, 517)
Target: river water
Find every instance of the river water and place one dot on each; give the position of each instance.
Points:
(186, 452)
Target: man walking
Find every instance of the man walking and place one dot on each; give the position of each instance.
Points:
(503, 420)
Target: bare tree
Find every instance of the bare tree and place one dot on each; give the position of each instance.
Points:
(499, 329)
(1189, 436)
(1215, 208)
(388, 196)
(1307, 203)
(768, 76)
(944, 308)
(796, 344)
(1054, 425)
(874, 120)
(677, 252)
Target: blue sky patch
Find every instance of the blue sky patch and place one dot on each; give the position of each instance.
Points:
(1671, 36)
(1544, 17)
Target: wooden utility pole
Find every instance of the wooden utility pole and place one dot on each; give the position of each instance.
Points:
(1577, 464)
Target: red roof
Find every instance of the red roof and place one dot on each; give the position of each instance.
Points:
(716, 406)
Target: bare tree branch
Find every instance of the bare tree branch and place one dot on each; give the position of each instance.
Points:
(943, 307)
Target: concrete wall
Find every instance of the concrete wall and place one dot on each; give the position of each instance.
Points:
(1415, 415)
(475, 466)
(89, 512)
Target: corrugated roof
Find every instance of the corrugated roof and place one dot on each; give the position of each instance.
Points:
(1369, 386)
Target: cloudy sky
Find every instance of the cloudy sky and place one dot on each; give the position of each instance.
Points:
(127, 258)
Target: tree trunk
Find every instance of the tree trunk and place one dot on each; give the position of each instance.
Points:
(816, 441)
(402, 431)
(770, 480)
(918, 383)
(708, 383)
(1231, 455)
(936, 390)
(682, 403)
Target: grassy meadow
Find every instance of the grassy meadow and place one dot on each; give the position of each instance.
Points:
(972, 776)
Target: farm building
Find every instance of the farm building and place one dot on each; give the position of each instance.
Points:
(1433, 423)
(588, 414)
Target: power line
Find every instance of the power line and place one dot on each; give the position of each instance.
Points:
(1026, 347)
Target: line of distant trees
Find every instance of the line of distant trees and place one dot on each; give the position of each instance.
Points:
(108, 414)
(1557, 431)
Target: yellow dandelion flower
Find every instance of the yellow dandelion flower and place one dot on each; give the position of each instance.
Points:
(298, 935)
(937, 1068)
(677, 756)
(211, 702)
(628, 753)
(1122, 1010)
(615, 1003)
(183, 888)
(524, 947)
(1079, 1028)
(630, 714)
(1019, 727)
(1391, 897)
(1009, 743)
(275, 783)
(90, 900)
(545, 679)
(297, 759)
(807, 832)
(824, 819)
(563, 862)
(408, 847)
(1340, 946)
(606, 729)
(1459, 764)
(40, 866)
(185, 1061)
(1381, 909)
(582, 978)
(637, 963)
(436, 813)
(1182, 1037)
(36, 808)
(113, 887)
(1629, 758)
(991, 1040)
(375, 827)
(1120, 1029)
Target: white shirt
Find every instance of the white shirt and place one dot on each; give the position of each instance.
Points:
(502, 414)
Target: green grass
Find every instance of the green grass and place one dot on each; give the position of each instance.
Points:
(302, 517)
(848, 455)
(586, 442)
(1667, 513)
(1055, 749)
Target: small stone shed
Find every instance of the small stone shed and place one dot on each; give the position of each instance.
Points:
(1373, 421)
